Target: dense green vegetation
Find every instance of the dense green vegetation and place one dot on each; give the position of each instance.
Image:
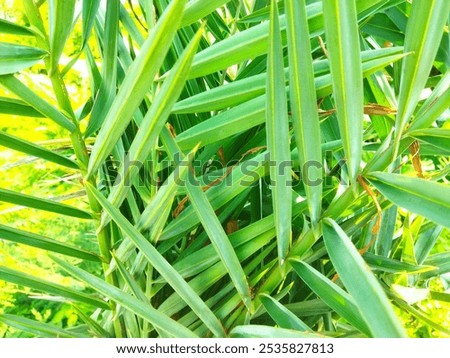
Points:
(242, 168)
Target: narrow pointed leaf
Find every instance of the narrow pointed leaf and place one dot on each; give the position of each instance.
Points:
(15, 58)
(341, 28)
(430, 17)
(39, 329)
(28, 96)
(60, 15)
(136, 83)
(37, 283)
(154, 120)
(243, 90)
(42, 204)
(138, 307)
(17, 107)
(45, 243)
(107, 91)
(257, 331)
(253, 42)
(419, 196)
(161, 265)
(7, 27)
(249, 114)
(438, 137)
(89, 12)
(277, 131)
(281, 315)
(35, 150)
(330, 293)
(219, 239)
(362, 285)
(434, 106)
(197, 9)
(305, 118)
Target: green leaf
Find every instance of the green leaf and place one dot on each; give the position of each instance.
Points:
(34, 100)
(436, 104)
(245, 115)
(438, 137)
(277, 131)
(386, 264)
(141, 308)
(90, 8)
(252, 42)
(219, 239)
(430, 17)
(23, 279)
(35, 150)
(41, 204)
(386, 235)
(330, 293)
(281, 315)
(45, 243)
(15, 58)
(362, 285)
(136, 83)
(36, 328)
(60, 16)
(257, 331)
(153, 122)
(107, 91)
(160, 264)
(341, 28)
(18, 108)
(419, 196)
(7, 27)
(197, 9)
(305, 118)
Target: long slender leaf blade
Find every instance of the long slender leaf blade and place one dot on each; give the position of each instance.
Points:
(430, 17)
(15, 58)
(161, 265)
(136, 84)
(40, 329)
(281, 315)
(277, 131)
(198, 9)
(7, 27)
(45, 243)
(138, 307)
(303, 101)
(439, 137)
(341, 28)
(330, 293)
(253, 42)
(35, 150)
(154, 120)
(362, 285)
(34, 100)
(249, 114)
(107, 91)
(60, 14)
(420, 196)
(23, 279)
(434, 106)
(17, 107)
(257, 331)
(219, 239)
(89, 12)
(41, 204)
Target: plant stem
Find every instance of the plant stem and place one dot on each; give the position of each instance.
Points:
(79, 147)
